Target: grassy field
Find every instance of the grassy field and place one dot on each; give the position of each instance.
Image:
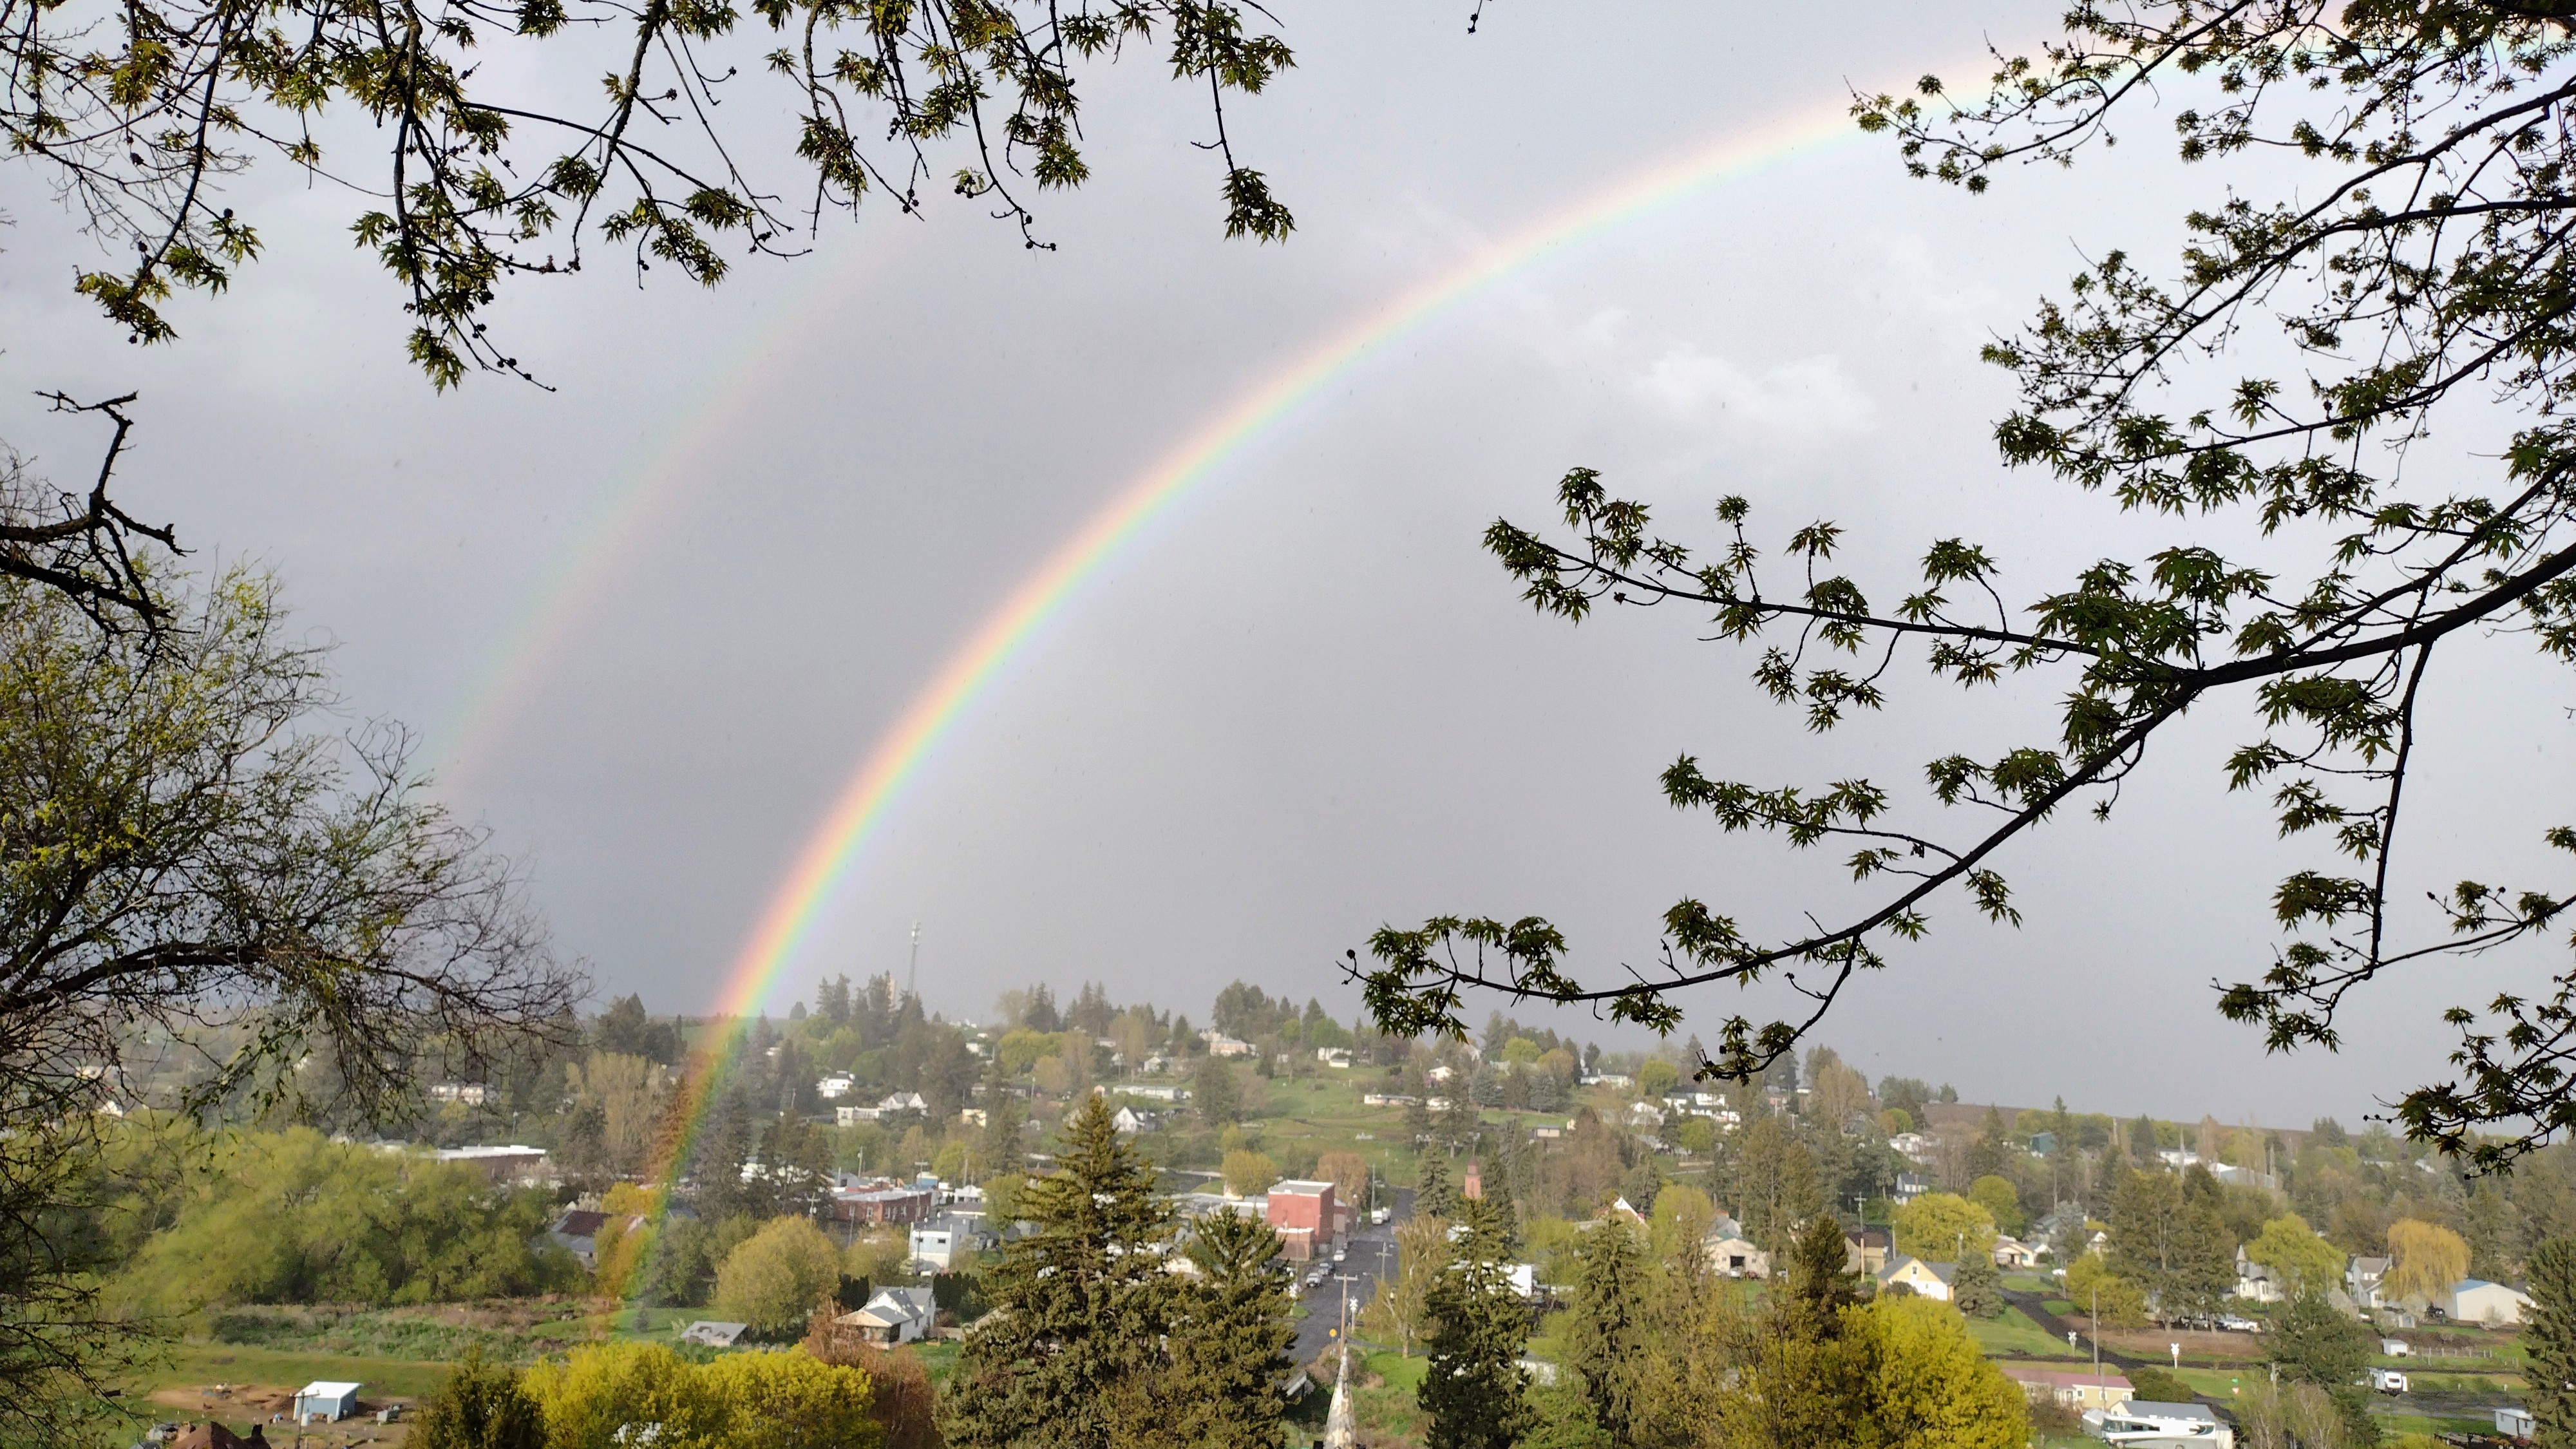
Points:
(2015, 1336)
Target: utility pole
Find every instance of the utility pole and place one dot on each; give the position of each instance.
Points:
(912, 978)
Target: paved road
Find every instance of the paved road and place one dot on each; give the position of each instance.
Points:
(1367, 1253)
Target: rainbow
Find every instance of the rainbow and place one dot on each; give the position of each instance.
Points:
(787, 921)
(832, 847)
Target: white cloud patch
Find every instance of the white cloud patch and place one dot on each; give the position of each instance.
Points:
(1805, 398)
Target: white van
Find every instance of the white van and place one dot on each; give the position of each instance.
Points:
(2387, 1381)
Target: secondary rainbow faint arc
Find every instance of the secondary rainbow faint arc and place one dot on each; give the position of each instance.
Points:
(793, 907)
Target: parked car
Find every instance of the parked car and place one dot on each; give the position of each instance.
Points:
(2230, 1323)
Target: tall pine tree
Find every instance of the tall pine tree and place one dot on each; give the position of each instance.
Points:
(2549, 1384)
(1230, 1344)
(1475, 1391)
(1075, 1357)
(1605, 1333)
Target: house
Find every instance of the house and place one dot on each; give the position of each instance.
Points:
(2012, 1252)
(853, 1116)
(1155, 1092)
(2254, 1282)
(1927, 1280)
(467, 1094)
(2475, 1300)
(2178, 1158)
(1439, 1073)
(1129, 1121)
(1913, 1146)
(2361, 1279)
(1733, 1257)
(513, 1164)
(901, 1102)
(2149, 1425)
(708, 1333)
(1645, 1114)
(1221, 1045)
(2515, 1423)
(1334, 1057)
(894, 1315)
(835, 1086)
(577, 1232)
(1619, 1080)
(936, 1243)
(2075, 1389)
(325, 1400)
(1386, 1099)
(1303, 1214)
(1869, 1249)
(1911, 1185)
(974, 1116)
(2043, 1144)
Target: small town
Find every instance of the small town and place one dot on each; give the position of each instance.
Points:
(1253, 724)
(2136, 1282)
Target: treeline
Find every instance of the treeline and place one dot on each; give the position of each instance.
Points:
(199, 1220)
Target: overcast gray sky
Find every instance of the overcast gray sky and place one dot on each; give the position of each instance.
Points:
(1301, 702)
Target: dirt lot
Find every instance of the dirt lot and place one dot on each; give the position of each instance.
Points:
(238, 1406)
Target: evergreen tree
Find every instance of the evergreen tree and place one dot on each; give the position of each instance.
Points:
(1073, 1357)
(1976, 1289)
(481, 1406)
(1475, 1391)
(2549, 1383)
(1230, 1346)
(2314, 1343)
(1817, 1282)
(1604, 1334)
(1218, 1097)
(1433, 1196)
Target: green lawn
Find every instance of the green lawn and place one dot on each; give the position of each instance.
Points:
(2015, 1336)
(1398, 1371)
(201, 1364)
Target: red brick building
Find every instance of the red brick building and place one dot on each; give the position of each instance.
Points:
(886, 1203)
(1304, 1216)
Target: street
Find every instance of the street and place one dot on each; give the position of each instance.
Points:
(1368, 1253)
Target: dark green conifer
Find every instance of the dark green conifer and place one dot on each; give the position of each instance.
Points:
(1475, 1391)
(1605, 1332)
(1230, 1344)
(1076, 1356)
(2549, 1382)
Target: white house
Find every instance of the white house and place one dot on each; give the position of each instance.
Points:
(325, 1400)
(1334, 1056)
(1912, 1145)
(1928, 1280)
(1129, 1121)
(902, 1102)
(2140, 1424)
(1911, 1185)
(894, 1315)
(2254, 1282)
(1221, 1045)
(2475, 1300)
(1645, 1115)
(1733, 1257)
(2361, 1280)
(835, 1086)
(2012, 1252)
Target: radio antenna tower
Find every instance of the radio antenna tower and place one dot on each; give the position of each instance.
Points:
(912, 978)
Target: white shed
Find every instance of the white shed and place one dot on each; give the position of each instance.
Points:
(2514, 1423)
(327, 1401)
